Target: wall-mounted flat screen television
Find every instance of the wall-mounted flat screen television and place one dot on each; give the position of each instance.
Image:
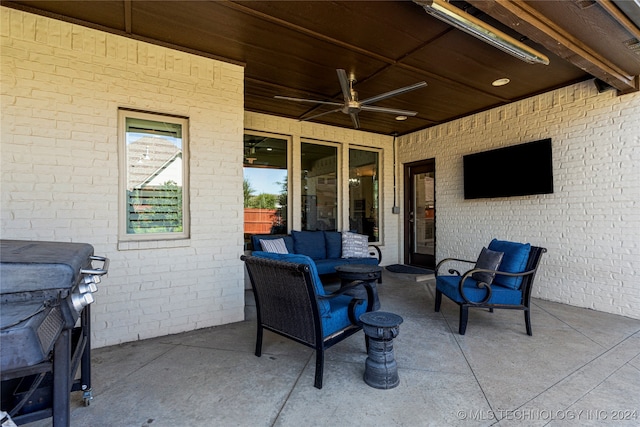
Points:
(518, 170)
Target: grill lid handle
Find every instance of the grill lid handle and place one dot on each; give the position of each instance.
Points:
(98, 271)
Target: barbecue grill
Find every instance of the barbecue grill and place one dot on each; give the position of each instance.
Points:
(46, 289)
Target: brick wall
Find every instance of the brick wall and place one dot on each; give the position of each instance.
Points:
(590, 224)
(61, 88)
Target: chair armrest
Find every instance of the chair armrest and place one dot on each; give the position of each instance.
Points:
(451, 271)
(479, 283)
(355, 301)
(374, 252)
(483, 284)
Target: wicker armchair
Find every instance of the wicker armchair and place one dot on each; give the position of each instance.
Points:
(511, 288)
(291, 302)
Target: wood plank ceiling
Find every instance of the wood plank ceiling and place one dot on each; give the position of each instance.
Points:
(293, 48)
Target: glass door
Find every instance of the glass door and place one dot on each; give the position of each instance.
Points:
(420, 214)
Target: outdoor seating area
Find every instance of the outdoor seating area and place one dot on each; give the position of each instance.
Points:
(581, 367)
(285, 213)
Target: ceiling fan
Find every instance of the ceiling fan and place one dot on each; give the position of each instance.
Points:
(352, 106)
(251, 148)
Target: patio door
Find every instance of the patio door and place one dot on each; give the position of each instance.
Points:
(420, 214)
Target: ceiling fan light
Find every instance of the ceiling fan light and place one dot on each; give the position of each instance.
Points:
(471, 25)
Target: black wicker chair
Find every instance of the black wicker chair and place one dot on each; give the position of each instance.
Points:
(467, 292)
(291, 302)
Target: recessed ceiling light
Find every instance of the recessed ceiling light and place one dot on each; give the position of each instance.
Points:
(500, 82)
(401, 118)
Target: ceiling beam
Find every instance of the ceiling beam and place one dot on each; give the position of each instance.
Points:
(537, 27)
(622, 19)
(127, 16)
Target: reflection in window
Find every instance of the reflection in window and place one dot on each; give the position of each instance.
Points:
(154, 178)
(319, 187)
(265, 185)
(364, 193)
(424, 223)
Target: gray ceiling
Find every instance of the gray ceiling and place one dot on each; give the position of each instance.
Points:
(293, 48)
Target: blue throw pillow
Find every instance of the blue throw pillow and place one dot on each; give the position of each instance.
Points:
(514, 260)
(333, 242)
(309, 243)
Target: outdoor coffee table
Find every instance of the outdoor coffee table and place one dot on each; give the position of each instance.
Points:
(380, 328)
(367, 273)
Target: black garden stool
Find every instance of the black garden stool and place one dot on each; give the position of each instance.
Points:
(368, 273)
(380, 328)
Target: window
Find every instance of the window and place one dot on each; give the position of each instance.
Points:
(319, 187)
(153, 176)
(364, 193)
(266, 193)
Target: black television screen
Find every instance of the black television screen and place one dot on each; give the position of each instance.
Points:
(519, 170)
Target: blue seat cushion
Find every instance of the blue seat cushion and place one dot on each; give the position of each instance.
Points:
(514, 260)
(255, 240)
(309, 243)
(333, 244)
(338, 317)
(448, 285)
(323, 305)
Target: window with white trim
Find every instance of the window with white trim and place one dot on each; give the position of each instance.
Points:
(154, 177)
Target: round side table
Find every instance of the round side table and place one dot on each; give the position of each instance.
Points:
(380, 328)
(367, 273)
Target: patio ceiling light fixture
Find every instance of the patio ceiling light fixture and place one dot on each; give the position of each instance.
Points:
(470, 24)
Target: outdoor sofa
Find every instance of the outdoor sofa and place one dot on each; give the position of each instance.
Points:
(327, 249)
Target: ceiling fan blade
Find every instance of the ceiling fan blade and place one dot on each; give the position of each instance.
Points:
(355, 120)
(288, 98)
(344, 84)
(395, 111)
(393, 93)
(321, 114)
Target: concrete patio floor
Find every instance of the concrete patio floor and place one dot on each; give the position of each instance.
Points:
(580, 367)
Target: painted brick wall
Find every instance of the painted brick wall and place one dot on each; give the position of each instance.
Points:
(62, 85)
(590, 224)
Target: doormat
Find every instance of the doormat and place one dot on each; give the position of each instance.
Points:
(408, 269)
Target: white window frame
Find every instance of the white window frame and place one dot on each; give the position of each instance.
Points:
(123, 115)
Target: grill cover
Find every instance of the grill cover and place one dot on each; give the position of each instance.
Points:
(27, 266)
(36, 279)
